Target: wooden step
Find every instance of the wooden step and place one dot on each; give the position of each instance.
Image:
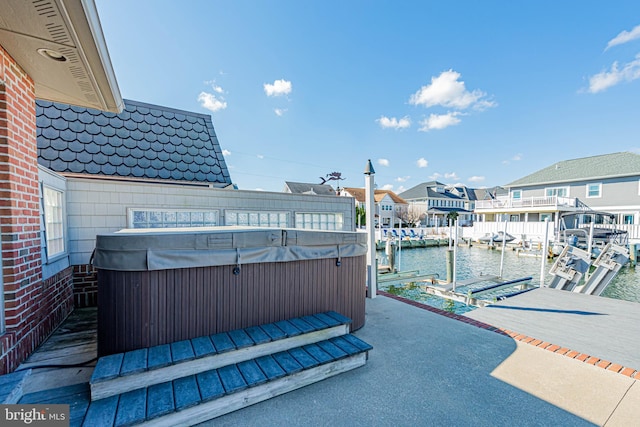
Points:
(206, 395)
(119, 373)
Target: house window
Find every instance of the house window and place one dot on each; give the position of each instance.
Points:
(627, 219)
(557, 191)
(257, 219)
(516, 194)
(544, 216)
(594, 190)
(174, 218)
(53, 222)
(319, 221)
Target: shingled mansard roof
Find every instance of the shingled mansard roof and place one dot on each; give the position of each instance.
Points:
(142, 142)
(305, 188)
(586, 168)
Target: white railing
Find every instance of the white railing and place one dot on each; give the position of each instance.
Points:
(528, 202)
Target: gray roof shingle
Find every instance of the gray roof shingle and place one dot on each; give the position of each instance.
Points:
(144, 141)
(586, 168)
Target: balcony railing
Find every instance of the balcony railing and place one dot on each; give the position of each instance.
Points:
(528, 202)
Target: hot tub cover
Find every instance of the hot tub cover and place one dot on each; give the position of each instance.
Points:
(162, 249)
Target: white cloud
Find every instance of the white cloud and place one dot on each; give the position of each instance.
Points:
(435, 176)
(383, 162)
(422, 162)
(394, 123)
(279, 111)
(211, 102)
(214, 86)
(624, 37)
(606, 79)
(439, 121)
(403, 178)
(448, 91)
(260, 156)
(278, 88)
(226, 152)
(451, 175)
(476, 178)
(400, 189)
(517, 157)
(387, 187)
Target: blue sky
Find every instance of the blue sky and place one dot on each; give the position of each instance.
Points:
(478, 93)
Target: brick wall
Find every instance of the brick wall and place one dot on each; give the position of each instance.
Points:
(32, 307)
(85, 286)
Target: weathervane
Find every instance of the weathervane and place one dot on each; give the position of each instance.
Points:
(333, 176)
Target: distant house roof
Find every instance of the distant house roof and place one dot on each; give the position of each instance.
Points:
(586, 168)
(143, 142)
(360, 195)
(420, 191)
(304, 188)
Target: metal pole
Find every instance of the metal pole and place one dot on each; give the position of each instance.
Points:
(372, 274)
(455, 254)
(545, 244)
(590, 242)
(504, 243)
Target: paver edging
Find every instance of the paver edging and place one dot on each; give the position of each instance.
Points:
(563, 351)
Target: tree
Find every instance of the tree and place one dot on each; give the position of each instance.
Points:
(361, 216)
(451, 217)
(412, 215)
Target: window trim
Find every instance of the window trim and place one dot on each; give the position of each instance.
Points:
(599, 184)
(230, 212)
(46, 229)
(564, 187)
(513, 195)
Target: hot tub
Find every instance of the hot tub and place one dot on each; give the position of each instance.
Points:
(161, 286)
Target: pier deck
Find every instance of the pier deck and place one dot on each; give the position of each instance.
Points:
(605, 327)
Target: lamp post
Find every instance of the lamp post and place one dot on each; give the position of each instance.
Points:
(372, 273)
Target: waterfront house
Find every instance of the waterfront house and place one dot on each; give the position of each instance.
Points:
(437, 202)
(391, 210)
(609, 182)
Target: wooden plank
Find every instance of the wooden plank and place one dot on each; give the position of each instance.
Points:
(107, 367)
(332, 350)
(303, 358)
(252, 373)
(231, 378)
(132, 407)
(102, 412)
(222, 342)
(210, 385)
(317, 353)
(240, 338)
(327, 319)
(134, 361)
(202, 346)
(358, 342)
(230, 403)
(315, 322)
(181, 351)
(159, 356)
(345, 345)
(287, 362)
(169, 373)
(258, 335)
(288, 328)
(186, 392)
(273, 331)
(305, 327)
(339, 317)
(160, 400)
(78, 410)
(270, 367)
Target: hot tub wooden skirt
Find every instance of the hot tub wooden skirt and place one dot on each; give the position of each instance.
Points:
(138, 309)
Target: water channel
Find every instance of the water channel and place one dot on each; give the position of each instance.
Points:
(478, 260)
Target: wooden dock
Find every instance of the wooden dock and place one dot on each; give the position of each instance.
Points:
(604, 327)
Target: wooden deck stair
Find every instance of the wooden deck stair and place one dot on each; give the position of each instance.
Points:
(192, 381)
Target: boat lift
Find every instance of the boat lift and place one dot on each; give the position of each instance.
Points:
(574, 264)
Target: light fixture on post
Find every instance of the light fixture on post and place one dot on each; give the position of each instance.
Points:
(372, 270)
